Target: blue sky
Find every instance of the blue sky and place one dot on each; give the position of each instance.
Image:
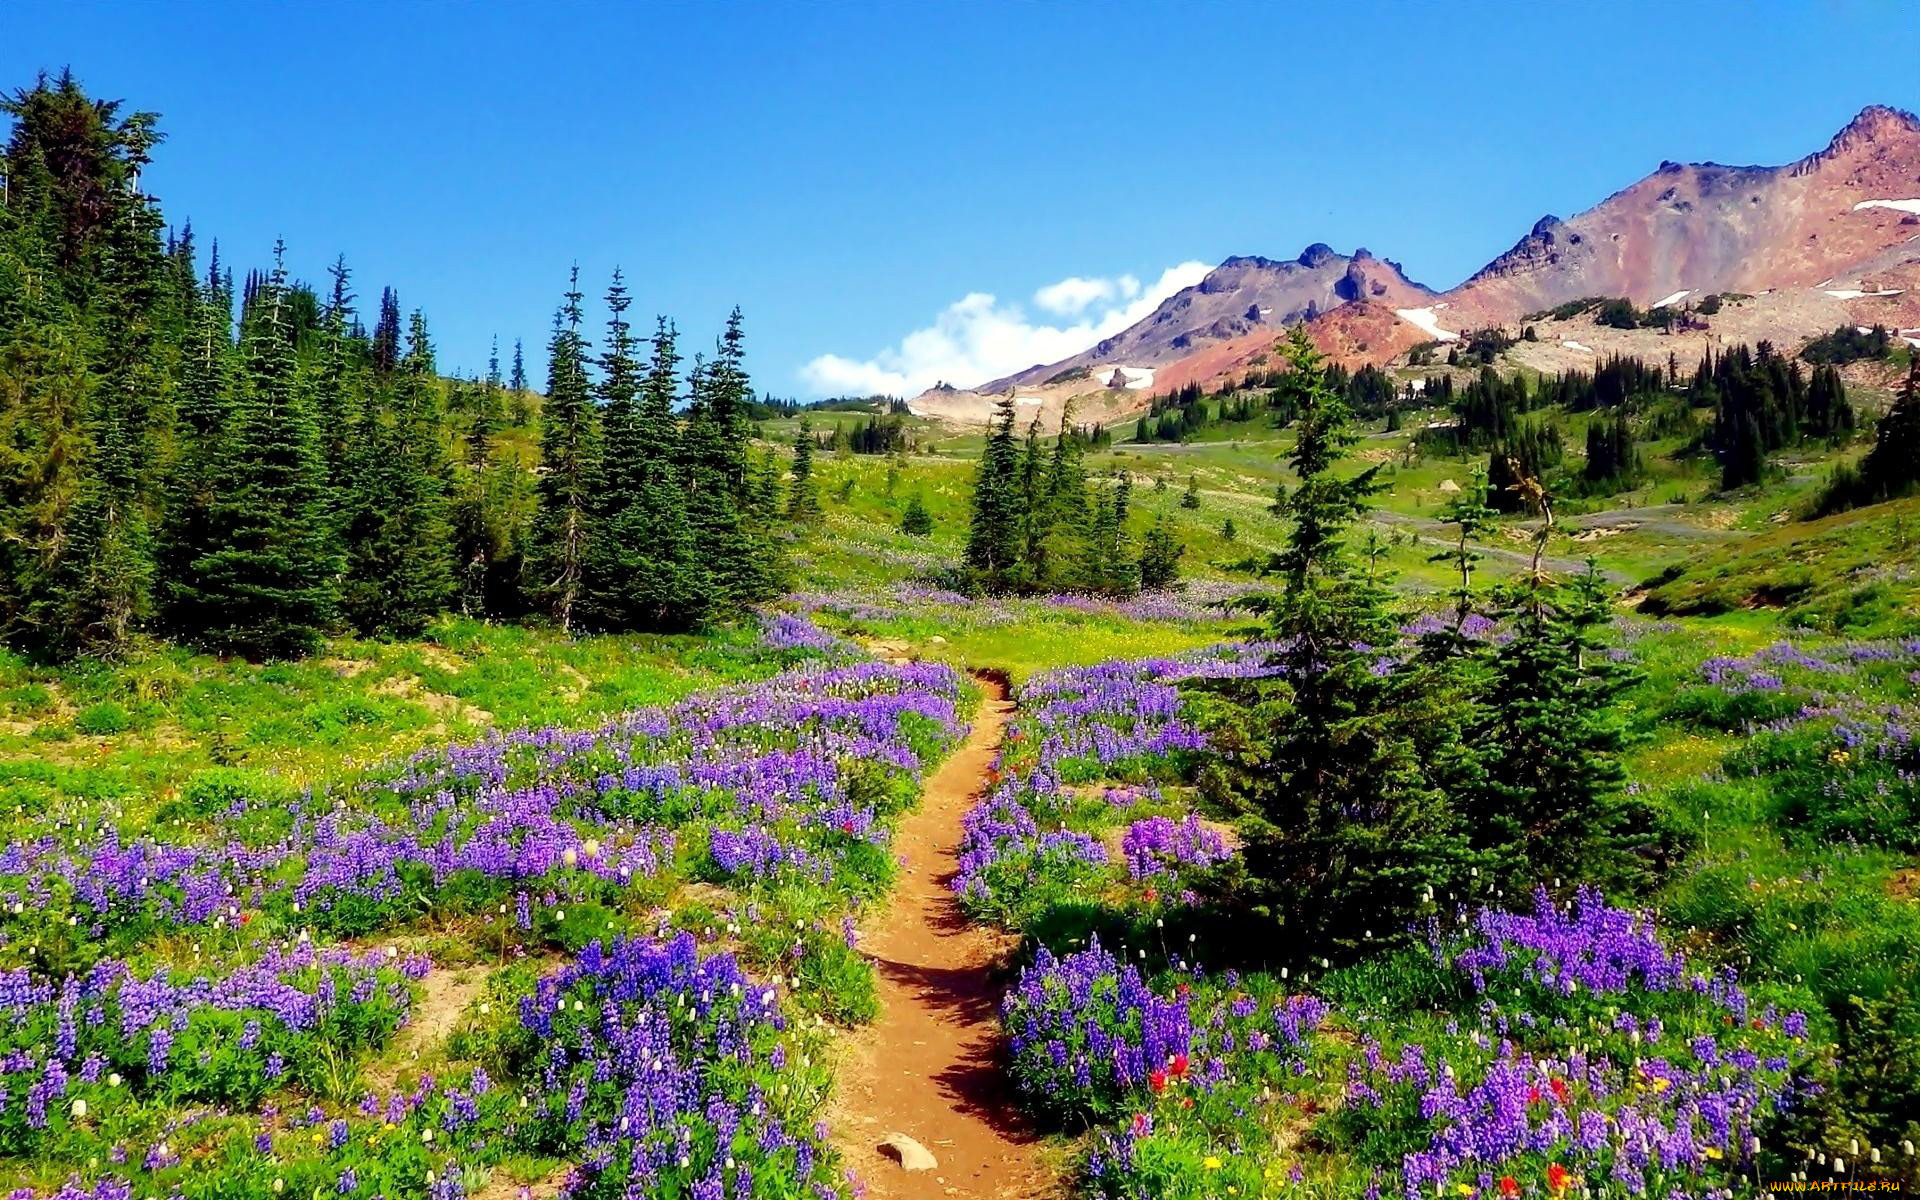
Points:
(894, 184)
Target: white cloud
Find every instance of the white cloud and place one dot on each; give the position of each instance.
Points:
(977, 338)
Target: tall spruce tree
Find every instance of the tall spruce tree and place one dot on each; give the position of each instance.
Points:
(994, 532)
(568, 436)
(1553, 802)
(803, 498)
(399, 549)
(1345, 828)
(202, 415)
(265, 586)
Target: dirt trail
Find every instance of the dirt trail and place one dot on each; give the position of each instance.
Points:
(929, 1067)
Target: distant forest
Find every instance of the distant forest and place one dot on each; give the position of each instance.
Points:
(248, 467)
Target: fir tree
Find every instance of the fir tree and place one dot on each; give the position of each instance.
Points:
(1553, 803)
(1191, 497)
(202, 416)
(517, 408)
(265, 587)
(1471, 519)
(803, 502)
(386, 333)
(916, 521)
(1160, 556)
(567, 447)
(993, 534)
(400, 572)
(1345, 825)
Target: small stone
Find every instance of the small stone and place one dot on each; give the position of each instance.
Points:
(937, 640)
(910, 1154)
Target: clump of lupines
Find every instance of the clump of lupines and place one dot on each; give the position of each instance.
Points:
(1591, 1058)
(812, 758)
(111, 1036)
(1091, 1035)
(1081, 724)
(671, 1074)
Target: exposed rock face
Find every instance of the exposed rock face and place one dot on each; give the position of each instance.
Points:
(1707, 228)
(1698, 228)
(1241, 295)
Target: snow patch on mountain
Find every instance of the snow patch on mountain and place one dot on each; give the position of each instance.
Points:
(1427, 322)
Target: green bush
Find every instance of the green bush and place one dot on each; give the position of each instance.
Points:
(101, 719)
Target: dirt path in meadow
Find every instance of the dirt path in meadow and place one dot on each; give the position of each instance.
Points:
(929, 1067)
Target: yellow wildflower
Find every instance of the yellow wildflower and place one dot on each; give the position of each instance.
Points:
(1212, 1163)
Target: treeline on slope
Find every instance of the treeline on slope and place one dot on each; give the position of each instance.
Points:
(252, 486)
(1039, 524)
(1185, 411)
(1761, 401)
(1849, 343)
(1391, 771)
(1891, 469)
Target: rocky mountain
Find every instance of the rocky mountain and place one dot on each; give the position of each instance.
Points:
(1242, 296)
(1831, 238)
(1702, 228)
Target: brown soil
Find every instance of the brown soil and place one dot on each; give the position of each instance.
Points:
(930, 1066)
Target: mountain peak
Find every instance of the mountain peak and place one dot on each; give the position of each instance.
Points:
(1874, 123)
(1317, 254)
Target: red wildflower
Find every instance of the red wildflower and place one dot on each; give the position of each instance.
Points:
(1178, 1065)
(1533, 1095)
(1152, 895)
(1509, 1186)
(1187, 1102)
(1559, 1087)
(1557, 1178)
(846, 827)
(1759, 1024)
(1140, 1125)
(1157, 1080)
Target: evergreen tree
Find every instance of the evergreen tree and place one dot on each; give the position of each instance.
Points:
(1191, 497)
(916, 521)
(399, 545)
(265, 586)
(803, 503)
(993, 533)
(567, 448)
(739, 558)
(1553, 803)
(337, 385)
(1160, 556)
(1471, 518)
(1333, 770)
(202, 415)
(386, 333)
(517, 410)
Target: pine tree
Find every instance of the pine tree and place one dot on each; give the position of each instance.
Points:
(993, 534)
(386, 333)
(202, 417)
(1345, 827)
(1160, 556)
(1553, 803)
(567, 447)
(399, 550)
(803, 503)
(1191, 497)
(916, 521)
(265, 586)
